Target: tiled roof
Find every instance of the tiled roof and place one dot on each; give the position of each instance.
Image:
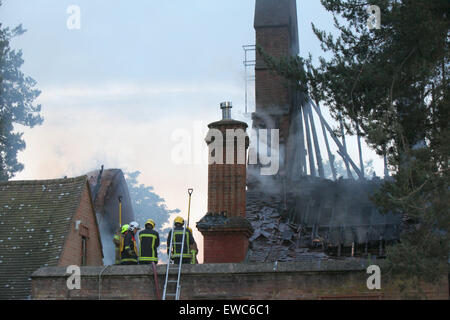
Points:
(35, 217)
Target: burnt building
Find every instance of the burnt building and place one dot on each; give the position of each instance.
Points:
(297, 214)
(112, 205)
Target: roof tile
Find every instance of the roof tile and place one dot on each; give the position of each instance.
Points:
(35, 217)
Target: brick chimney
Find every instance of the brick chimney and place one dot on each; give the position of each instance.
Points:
(276, 31)
(224, 228)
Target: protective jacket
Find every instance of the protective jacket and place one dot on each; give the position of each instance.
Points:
(149, 243)
(177, 238)
(129, 254)
(117, 242)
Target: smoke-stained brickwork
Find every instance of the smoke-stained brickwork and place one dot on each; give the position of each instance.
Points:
(277, 34)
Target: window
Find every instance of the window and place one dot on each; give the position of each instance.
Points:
(83, 251)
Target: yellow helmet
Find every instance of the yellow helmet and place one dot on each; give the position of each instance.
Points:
(150, 221)
(179, 220)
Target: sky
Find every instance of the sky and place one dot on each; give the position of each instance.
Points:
(135, 77)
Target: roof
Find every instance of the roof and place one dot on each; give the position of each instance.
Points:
(35, 218)
(107, 185)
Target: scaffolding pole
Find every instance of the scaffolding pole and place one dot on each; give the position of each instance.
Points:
(248, 63)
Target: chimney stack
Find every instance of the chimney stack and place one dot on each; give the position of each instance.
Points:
(224, 228)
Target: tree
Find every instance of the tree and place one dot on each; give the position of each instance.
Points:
(148, 205)
(17, 95)
(391, 86)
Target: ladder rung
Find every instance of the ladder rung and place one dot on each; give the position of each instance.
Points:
(171, 294)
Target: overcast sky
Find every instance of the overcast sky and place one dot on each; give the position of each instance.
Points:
(118, 90)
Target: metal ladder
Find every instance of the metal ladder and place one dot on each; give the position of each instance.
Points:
(175, 294)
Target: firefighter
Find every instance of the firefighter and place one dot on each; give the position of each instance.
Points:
(118, 241)
(177, 238)
(193, 250)
(129, 253)
(148, 243)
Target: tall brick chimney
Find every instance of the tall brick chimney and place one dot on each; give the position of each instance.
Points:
(224, 228)
(276, 30)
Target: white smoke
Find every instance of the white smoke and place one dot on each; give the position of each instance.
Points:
(106, 235)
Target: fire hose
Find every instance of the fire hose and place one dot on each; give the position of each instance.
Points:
(155, 275)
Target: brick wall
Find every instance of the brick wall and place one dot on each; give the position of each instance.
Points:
(224, 247)
(270, 89)
(226, 194)
(72, 251)
(274, 98)
(284, 280)
(226, 182)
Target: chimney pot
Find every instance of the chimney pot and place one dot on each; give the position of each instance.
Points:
(226, 109)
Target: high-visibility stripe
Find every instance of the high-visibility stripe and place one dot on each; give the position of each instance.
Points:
(128, 259)
(186, 245)
(146, 235)
(148, 259)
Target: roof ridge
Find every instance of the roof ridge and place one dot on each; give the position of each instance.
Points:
(32, 182)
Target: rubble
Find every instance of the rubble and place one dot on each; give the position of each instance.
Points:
(318, 219)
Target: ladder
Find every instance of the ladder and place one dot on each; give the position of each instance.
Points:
(172, 266)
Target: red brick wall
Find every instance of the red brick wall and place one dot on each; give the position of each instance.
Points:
(72, 251)
(269, 87)
(259, 281)
(272, 94)
(225, 247)
(227, 182)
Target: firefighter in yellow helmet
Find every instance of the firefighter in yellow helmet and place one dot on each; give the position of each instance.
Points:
(148, 243)
(177, 238)
(118, 242)
(129, 253)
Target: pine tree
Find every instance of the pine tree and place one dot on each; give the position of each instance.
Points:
(17, 94)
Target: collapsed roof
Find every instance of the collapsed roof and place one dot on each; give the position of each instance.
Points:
(107, 186)
(316, 217)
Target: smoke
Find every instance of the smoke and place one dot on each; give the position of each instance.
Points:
(106, 235)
